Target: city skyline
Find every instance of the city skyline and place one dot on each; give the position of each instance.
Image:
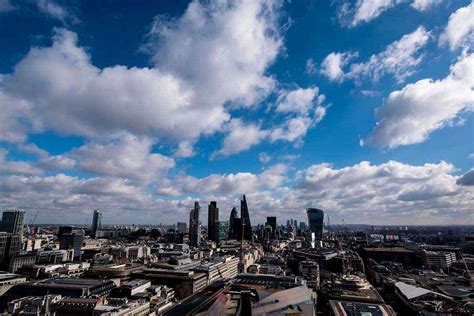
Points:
(294, 105)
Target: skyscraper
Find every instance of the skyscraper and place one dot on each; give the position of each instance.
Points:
(272, 221)
(233, 224)
(212, 219)
(222, 229)
(96, 222)
(244, 214)
(13, 221)
(194, 226)
(315, 220)
(71, 238)
(12, 238)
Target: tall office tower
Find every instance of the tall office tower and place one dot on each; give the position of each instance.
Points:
(71, 238)
(194, 226)
(244, 215)
(212, 219)
(222, 230)
(13, 221)
(96, 222)
(232, 224)
(272, 221)
(182, 227)
(295, 223)
(302, 225)
(287, 223)
(315, 220)
(12, 239)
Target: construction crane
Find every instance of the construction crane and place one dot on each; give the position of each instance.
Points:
(34, 219)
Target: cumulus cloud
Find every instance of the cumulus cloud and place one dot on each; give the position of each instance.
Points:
(410, 115)
(206, 59)
(240, 138)
(399, 59)
(299, 100)
(57, 162)
(364, 11)
(264, 157)
(460, 29)
(304, 110)
(221, 48)
(226, 184)
(390, 190)
(301, 109)
(127, 157)
(14, 118)
(6, 5)
(423, 5)
(185, 150)
(53, 10)
(310, 66)
(467, 179)
(362, 192)
(15, 167)
(332, 65)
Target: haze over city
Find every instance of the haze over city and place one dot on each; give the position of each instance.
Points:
(140, 108)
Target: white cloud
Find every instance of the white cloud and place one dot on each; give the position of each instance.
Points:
(185, 150)
(15, 167)
(399, 59)
(410, 115)
(392, 191)
(206, 60)
(460, 29)
(127, 157)
(292, 130)
(467, 179)
(52, 9)
(310, 66)
(14, 118)
(240, 138)
(264, 157)
(57, 162)
(332, 65)
(221, 48)
(423, 5)
(298, 100)
(304, 110)
(226, 184)
(363, 193)
(6, 5)
(364, 11)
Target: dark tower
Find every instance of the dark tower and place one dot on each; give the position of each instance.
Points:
(194, 226)
(212, 219)
(13, 221)
(244, 214)
(272, 221)
(96, 222)
(315, 221)
(232, 224)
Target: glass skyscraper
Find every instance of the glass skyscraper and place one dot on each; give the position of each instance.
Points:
(96, 222)
(244, 214)
(315, 220)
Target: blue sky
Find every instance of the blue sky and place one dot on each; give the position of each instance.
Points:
(138, 108)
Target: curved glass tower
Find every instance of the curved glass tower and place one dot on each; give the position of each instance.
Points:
(315, 220)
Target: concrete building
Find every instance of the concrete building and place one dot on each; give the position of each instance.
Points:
(439, 259)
